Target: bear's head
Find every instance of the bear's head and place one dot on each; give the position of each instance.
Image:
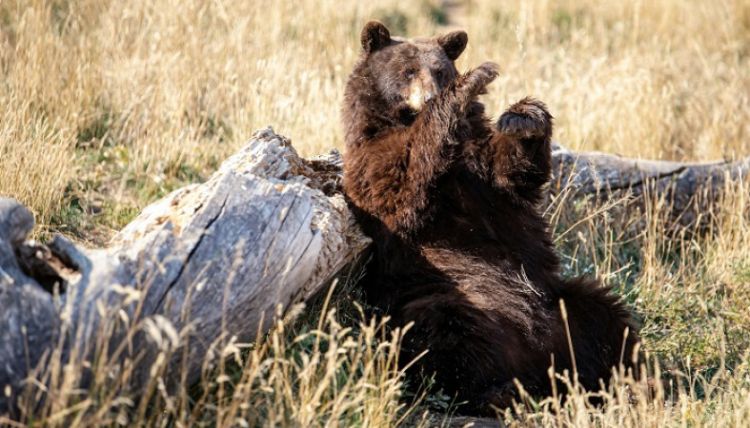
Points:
(401, 75)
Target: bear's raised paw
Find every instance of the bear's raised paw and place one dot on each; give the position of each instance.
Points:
(526, 119)
(475, 81)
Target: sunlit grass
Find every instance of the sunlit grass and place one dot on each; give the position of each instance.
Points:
(106, 106)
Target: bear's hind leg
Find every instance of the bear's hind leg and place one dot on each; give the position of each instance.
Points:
(602, 330)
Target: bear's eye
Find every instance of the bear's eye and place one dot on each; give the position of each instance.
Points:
(410, 73)
(439, 74)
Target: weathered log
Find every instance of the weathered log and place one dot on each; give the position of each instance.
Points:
(216, 259)
(687, 190)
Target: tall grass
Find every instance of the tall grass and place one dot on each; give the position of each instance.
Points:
(102, 98)
(306, 374)
(106, 105)
(658, 79)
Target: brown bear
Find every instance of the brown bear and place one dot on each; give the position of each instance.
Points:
(461, 249)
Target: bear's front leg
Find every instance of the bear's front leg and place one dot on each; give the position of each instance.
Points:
(391, 175)
(521, 147)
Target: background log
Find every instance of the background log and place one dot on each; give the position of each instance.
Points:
(688, 191)
(215, 260)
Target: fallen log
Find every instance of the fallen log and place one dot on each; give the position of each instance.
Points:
(209, 261)
(687, 191)
(217, 260)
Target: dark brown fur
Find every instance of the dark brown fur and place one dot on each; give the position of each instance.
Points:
(462, 250)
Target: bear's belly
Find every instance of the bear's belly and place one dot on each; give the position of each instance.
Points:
(476, 275)
(471, 218)
(482, 325)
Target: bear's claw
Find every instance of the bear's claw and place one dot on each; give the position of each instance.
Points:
(527, 118)
(476, 81)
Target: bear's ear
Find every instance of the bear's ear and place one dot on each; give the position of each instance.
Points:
(374, 36)
(453, 43)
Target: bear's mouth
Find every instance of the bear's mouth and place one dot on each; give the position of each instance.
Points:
(406, 115)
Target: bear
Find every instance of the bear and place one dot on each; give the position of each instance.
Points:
(461, 249)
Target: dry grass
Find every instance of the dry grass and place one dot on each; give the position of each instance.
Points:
(657, 79)
(131, 99)
(302, 374)
(105, 106)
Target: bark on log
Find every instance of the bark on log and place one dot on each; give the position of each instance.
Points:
(215, 259)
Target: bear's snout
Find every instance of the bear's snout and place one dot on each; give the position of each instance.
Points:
(421, 90)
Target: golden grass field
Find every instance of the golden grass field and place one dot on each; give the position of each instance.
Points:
(107, 105)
